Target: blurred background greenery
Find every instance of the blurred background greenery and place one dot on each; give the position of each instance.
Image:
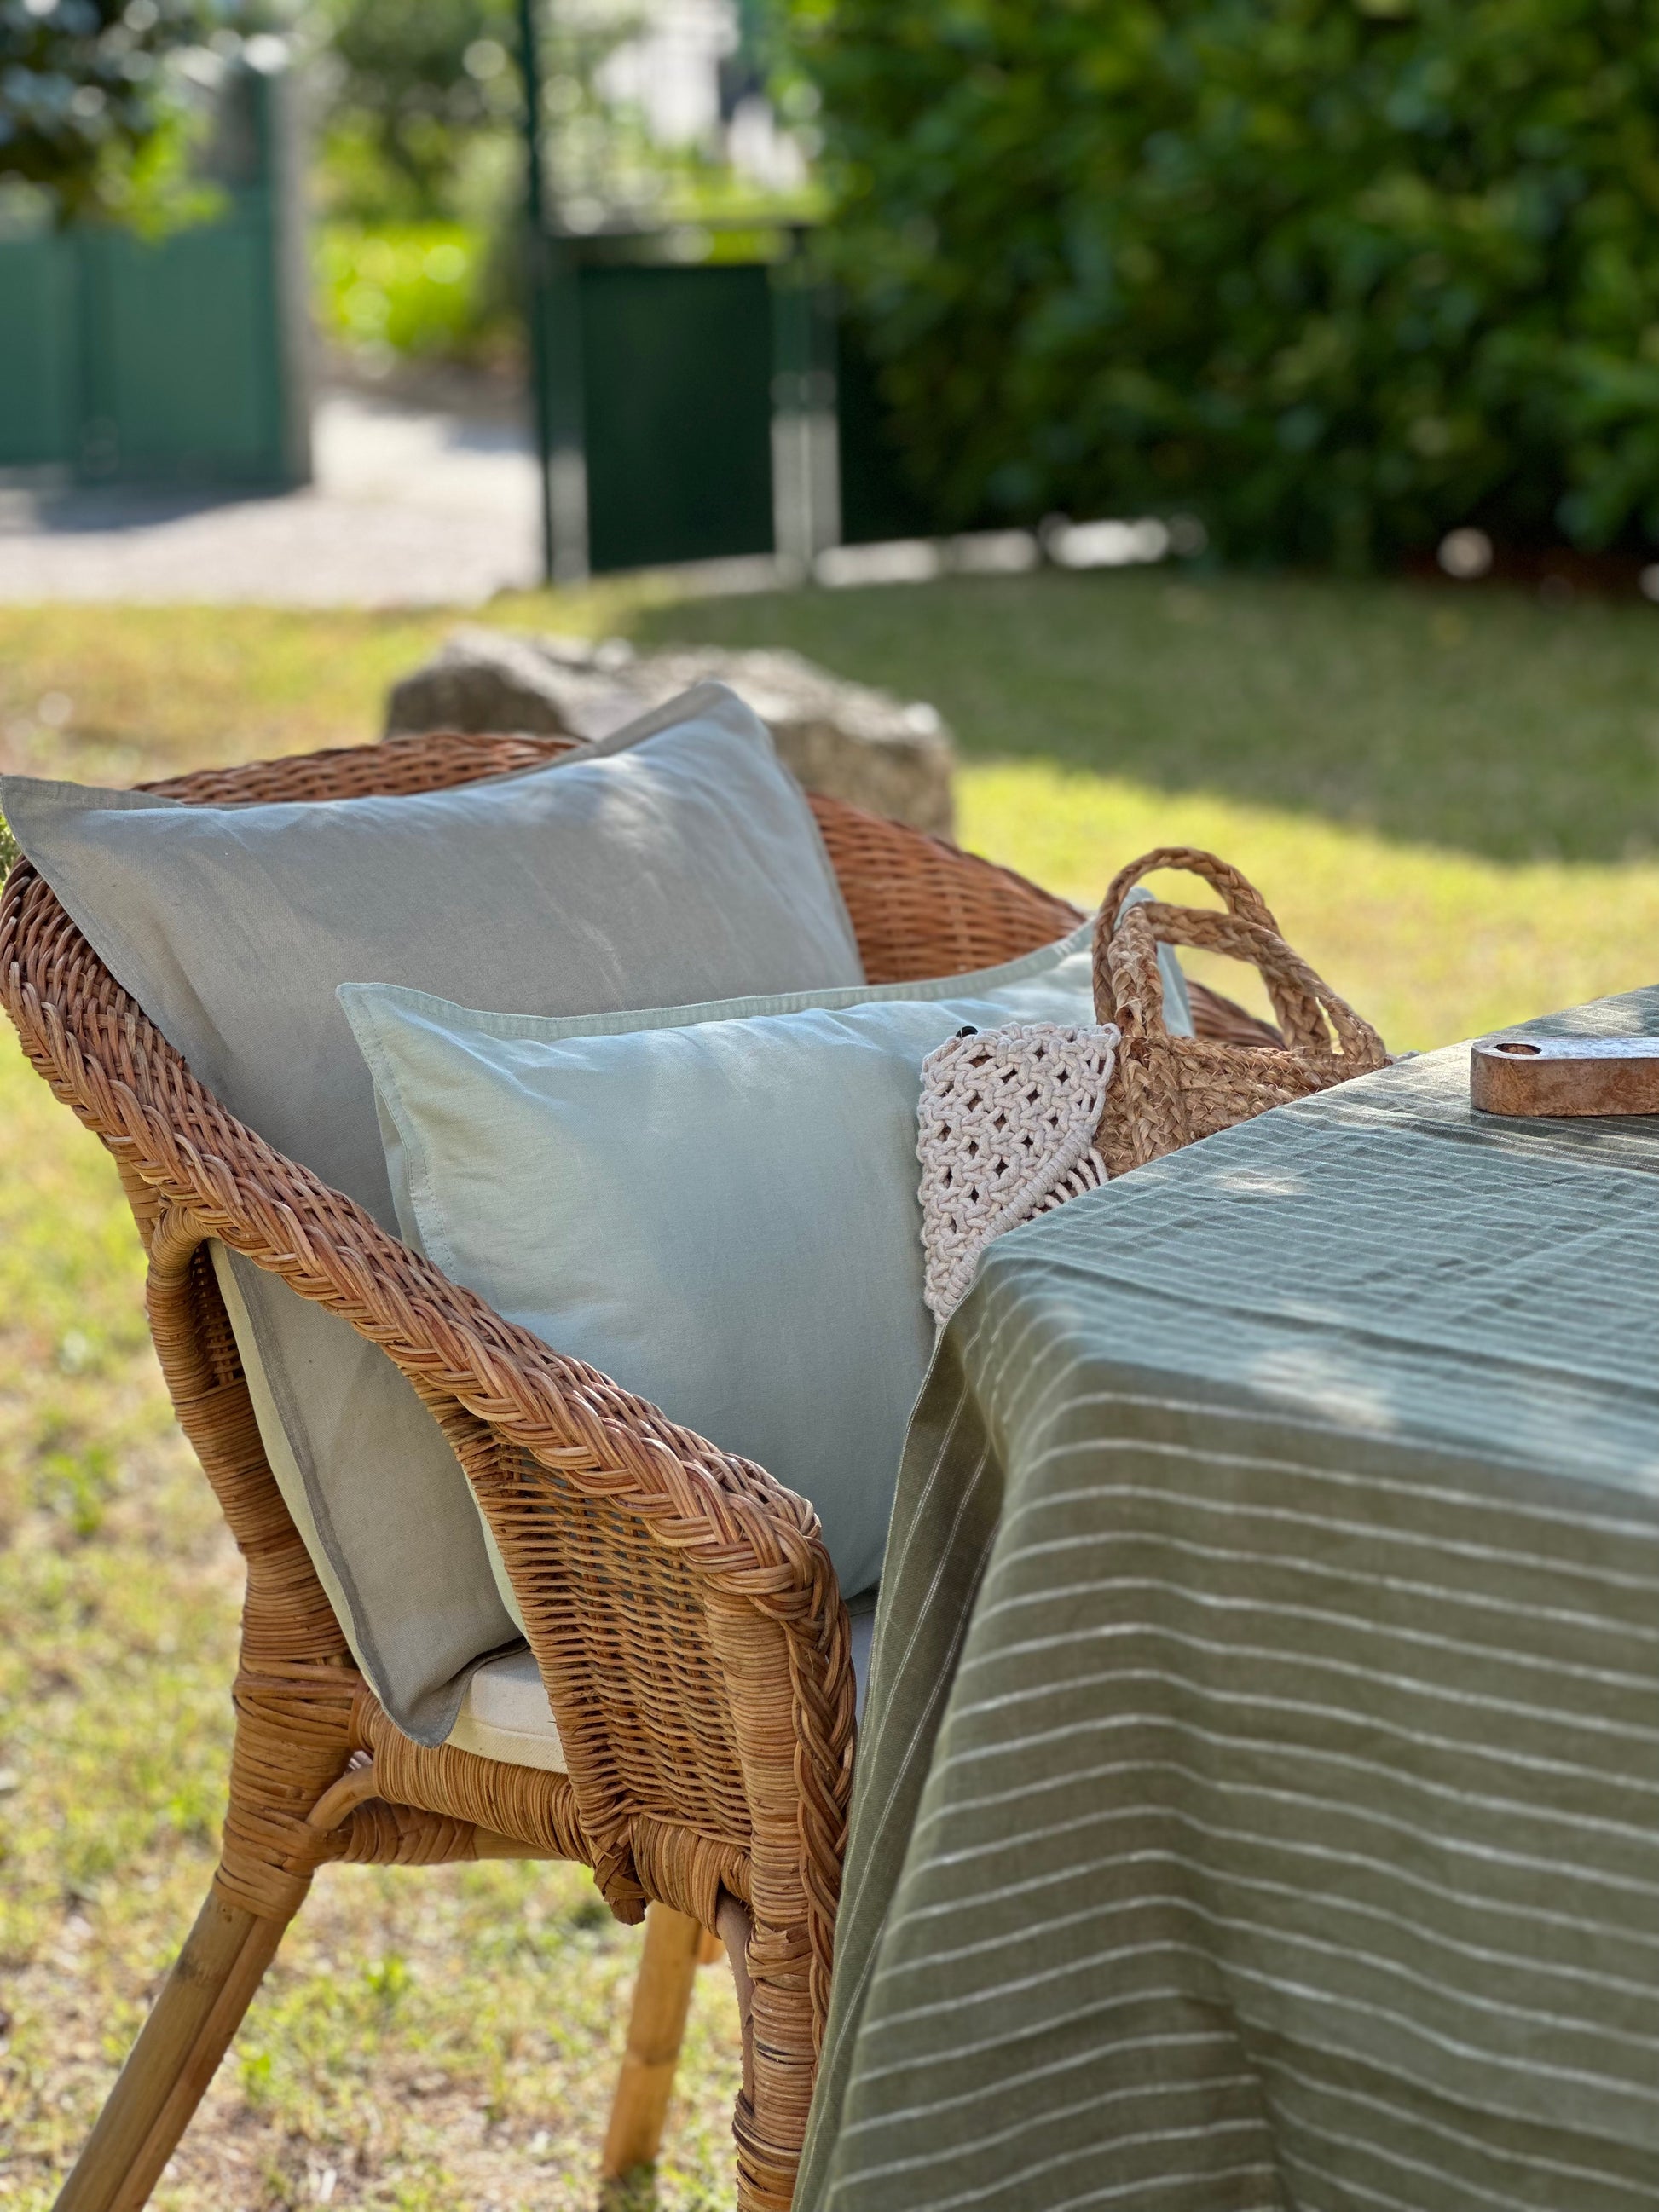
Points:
(1335, 274)
(418, 181)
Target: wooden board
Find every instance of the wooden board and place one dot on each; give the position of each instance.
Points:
(1560, 1075)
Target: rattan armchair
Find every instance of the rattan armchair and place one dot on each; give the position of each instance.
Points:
(681, 1608)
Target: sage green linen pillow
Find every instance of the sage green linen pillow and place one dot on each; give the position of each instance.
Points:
(678, 860)
(714, 1204)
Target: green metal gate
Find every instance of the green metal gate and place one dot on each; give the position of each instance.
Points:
(707, 410)
(172, 360)
(677, 376)
(39, 352)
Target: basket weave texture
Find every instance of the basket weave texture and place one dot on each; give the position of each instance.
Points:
(679, 1603)
(1168, 1091)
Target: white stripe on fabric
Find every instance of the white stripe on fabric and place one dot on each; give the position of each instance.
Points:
(1199, 2039)
(1147, 2140)
(1236, 1415)
(1303, 1709)
(1292, 2124)
(1352, 2189)
(1097, 2008)
(1230, 1416)
(1220, 1601)
(1181, 1902)
(1554, 1716)
(1552, 1566)
(1050, 2116)
(1529, 2162)
(1442, 1594)
(1303, 1800)
(1323, 2003)
(1529, 1918)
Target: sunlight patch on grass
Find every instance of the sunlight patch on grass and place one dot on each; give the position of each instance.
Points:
(1430, 946)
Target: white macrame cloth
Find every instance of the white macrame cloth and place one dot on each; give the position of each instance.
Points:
(1005, 1130)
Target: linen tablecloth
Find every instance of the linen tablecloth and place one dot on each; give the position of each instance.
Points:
(1258, 1799)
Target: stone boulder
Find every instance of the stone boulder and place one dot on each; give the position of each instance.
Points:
(845, 740)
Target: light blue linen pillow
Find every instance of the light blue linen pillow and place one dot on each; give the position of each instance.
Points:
(716, 1204)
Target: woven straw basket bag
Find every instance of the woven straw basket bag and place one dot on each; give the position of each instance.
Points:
(1014, 1121)
(1168, 1091)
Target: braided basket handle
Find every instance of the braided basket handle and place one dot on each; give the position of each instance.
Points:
(1128, 989)
(1239, 892)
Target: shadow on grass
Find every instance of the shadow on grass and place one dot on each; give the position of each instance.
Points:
(634, 2192)
(637, 2192)
(1477, 719)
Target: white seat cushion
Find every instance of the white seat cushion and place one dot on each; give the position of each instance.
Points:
(505, 1714)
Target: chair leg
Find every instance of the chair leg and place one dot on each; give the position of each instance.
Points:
(656, 2025)
(176, 2055)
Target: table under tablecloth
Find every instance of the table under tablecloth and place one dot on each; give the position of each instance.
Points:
(1258, 1798)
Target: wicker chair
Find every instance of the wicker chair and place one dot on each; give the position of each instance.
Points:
(681, 1608)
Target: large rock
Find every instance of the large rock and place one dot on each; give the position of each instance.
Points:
(846, 740)
(492, 680)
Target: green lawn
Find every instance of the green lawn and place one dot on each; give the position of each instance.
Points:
(1450, 798)
(1453, 802)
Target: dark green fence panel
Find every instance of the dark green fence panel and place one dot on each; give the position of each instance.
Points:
(39, 353)
(167, 360)
(710, 409)
(877, 500)
(676, 383)
(184, 380)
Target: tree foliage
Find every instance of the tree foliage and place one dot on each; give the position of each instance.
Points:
(1334, 274)
(418, 82)
(96, 96)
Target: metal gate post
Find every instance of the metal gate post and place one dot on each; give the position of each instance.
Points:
(530, 68)
(805, 439)
(567, 412)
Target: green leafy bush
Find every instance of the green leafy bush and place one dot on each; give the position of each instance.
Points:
(1333, 274)
(420, 288)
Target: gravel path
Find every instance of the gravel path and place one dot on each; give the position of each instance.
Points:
(410, 506)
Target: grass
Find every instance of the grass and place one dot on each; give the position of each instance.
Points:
(1453, 802)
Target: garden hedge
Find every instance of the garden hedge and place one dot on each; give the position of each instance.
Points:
(1334, 275)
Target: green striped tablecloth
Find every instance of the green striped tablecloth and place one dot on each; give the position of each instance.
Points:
(1258, 1803)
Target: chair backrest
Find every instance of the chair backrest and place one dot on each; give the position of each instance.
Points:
(648, 1773)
